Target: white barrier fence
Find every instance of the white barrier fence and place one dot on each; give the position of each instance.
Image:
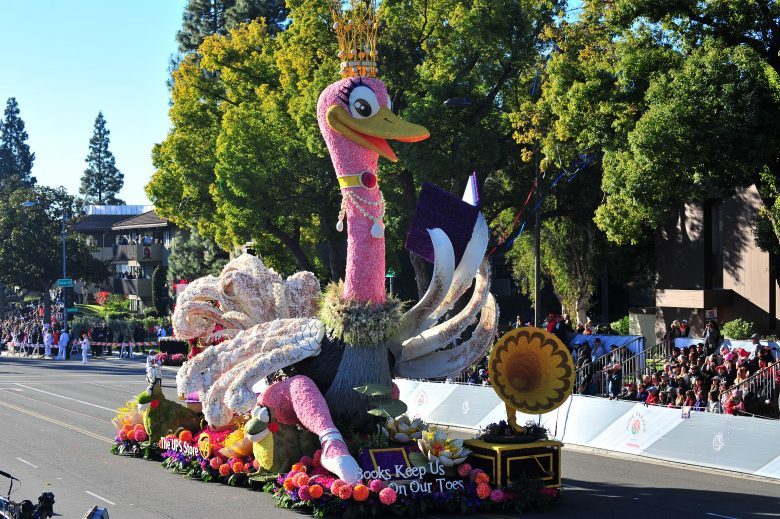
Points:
(736, 443)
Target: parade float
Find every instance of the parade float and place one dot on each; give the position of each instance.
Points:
(290, 390)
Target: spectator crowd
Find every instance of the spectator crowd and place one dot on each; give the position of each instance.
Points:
(706, 376)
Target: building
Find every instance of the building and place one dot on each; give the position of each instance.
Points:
(708, 266)
(136, 240)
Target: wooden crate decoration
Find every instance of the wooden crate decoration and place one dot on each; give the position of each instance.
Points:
(505, 463)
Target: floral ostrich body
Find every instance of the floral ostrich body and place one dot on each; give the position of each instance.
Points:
(325, 354)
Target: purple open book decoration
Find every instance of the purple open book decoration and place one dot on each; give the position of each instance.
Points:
(438, 208)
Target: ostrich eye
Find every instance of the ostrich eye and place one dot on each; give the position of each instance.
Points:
(363, 102)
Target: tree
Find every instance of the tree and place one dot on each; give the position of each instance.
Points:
(571, 258)
(30, 241)
(195, 256)
(244, 119)
(681, 97)
(101, 181)
(159, 296)
(16, 160)
(204, 18)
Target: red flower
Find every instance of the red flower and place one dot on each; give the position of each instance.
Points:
(155, 404)
(273, 427)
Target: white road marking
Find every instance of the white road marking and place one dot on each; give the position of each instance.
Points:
(67, 398)
(27, 463)
(57, 422)
(718, 515)
(114, 388)
(101, 498)
(569, 487)
(11, 389)
(60, 408)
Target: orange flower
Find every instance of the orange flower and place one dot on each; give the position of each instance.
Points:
(238, 467)
(289, 484)
(360, 492)
(185, 436)
(301, 480)
(299, 467)
(315, 491)
(482, 478)
(345, 491)
(224, 469)
(483, 490)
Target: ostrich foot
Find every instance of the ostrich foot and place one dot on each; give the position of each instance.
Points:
(336, 457)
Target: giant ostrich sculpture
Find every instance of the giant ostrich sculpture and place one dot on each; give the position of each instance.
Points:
(270, 324)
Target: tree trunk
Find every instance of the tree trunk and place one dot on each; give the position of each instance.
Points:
(46, 303)
(419, 265)
(291, 243)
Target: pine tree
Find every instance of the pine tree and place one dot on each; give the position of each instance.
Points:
(16, 161)
(203, 18)
(101, 180)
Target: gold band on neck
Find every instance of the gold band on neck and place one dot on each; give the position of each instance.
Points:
(350, 181)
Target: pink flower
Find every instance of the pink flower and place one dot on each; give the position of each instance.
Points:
(552, 492)
(317, 457)
(303, 493)
(463, 470)
(474, 473)
(140, 435)
(497, 496)
(387, 496)
(215, 462)
(306, 461)
(376, 486)
(483, 490)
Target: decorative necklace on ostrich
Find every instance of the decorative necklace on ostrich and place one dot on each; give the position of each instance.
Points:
(368, 180)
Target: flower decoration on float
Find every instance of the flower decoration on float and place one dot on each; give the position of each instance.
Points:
(437, 448)
(404, 430)
(531, 371)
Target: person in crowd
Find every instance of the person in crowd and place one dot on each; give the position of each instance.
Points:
(615, 380)
(652, 396)
(585, 383)
(713, 404)
(518, 322)
(663, 399)
(48, 342)
(690, 398)
(86, 345)
(711, 336)
(685, 330)
(641, 393)
(629, 392)
(599, 350)
(588, 330)
(62, 344)
(700, 404)
(672, 397)
(734, 404)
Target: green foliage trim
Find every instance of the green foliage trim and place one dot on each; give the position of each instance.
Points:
(358, 323)
(738, 330)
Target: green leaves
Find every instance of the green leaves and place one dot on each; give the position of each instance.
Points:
(383, 407)
(374, 390)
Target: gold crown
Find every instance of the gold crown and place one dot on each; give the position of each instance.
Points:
(356, 29)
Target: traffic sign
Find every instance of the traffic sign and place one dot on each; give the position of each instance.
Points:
(64, 283)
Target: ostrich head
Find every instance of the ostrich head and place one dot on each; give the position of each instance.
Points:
(355, 119)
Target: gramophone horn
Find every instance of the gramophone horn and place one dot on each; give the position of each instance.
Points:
(531, 370)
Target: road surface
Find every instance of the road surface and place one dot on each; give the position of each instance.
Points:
(55, 418)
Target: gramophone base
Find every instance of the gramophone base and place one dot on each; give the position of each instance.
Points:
(507, 463)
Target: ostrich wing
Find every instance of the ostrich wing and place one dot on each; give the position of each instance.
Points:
(444, 363)
(467, 269)
(252, 355)
(442, 334)
(441, 279)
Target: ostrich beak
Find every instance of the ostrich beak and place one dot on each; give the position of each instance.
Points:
(372, 133)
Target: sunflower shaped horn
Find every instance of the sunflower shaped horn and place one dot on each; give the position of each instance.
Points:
(531, 371)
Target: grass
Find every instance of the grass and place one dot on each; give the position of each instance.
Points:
(94, 310)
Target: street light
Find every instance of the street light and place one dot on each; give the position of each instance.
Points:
(64, 236)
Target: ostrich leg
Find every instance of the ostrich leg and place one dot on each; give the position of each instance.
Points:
(297, 400)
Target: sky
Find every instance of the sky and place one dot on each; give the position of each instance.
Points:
(66, 61)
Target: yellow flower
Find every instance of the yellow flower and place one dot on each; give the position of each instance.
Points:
(531, 370)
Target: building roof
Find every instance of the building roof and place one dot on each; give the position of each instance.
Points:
(98, 222)
(142, 221)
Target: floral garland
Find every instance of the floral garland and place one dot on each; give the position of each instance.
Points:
(323, 496)
(358, 323)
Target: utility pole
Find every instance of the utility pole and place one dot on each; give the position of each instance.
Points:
(537, 240)
(64, 270)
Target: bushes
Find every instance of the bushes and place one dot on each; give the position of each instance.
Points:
(101, 297)
(621, 326)
(737, 330)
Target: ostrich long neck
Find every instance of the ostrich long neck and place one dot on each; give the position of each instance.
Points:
(365, 278)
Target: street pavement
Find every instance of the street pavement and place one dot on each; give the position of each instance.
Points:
(56, 432)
